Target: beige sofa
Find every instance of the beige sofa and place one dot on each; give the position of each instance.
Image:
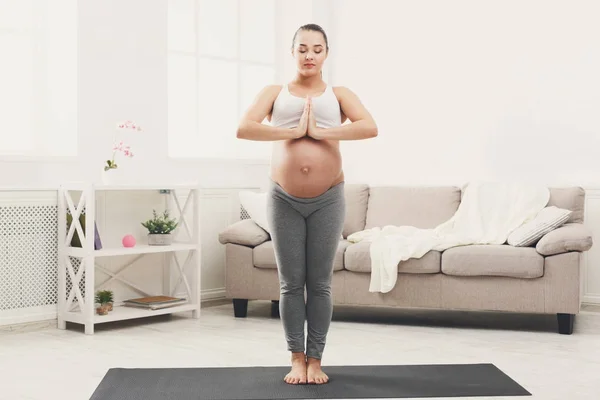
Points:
(542, 278)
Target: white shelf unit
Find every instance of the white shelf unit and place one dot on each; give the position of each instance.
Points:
(79, 308)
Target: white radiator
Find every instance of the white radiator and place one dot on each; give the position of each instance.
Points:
(28, 256)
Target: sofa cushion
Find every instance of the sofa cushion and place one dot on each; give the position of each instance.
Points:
(569, 237)
(547, 220)
(493, 260)
(571, 198)
(421, 207)
(358, 259)
(255, 205)
(264, 255)
(356, 196)
(245, 232)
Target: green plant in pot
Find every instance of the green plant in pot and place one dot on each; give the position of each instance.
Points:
(105, 299)
(160, 228)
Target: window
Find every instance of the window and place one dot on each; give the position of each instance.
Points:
(221, 54)
(38, 77)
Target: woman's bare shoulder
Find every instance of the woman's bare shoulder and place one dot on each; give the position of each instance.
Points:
(271, 92)
(268, 92)
(342, 91)
(274, 88)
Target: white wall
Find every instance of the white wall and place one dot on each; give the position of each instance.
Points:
(470, 89)
(591, 260)
(460, 90)
(122, 58)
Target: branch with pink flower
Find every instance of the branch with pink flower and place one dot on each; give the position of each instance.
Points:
(121, 147)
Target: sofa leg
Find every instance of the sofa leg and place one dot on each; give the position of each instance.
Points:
(565, 323)
(240, 308)
(275, 308)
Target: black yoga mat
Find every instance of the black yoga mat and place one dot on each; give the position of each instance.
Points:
(345, 382)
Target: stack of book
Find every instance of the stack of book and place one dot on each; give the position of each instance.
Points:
(154, 302)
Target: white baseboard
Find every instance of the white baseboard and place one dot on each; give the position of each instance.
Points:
(591, 299)
(213, 294)
(28, 315)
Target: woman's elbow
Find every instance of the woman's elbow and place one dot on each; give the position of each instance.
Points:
(241, 131)
(373, 131)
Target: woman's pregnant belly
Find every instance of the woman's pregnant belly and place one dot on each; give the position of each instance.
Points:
(306, 167)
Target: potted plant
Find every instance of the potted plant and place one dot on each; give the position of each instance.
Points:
(105, 299)
(160, 228)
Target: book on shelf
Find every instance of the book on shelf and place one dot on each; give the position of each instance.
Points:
(75, 240)
(155, 302)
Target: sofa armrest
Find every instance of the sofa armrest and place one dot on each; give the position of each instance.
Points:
(245, 232)
(569, 237)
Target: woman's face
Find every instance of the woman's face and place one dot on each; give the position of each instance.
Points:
(310, 52)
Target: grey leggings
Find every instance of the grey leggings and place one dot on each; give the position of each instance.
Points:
(305, 234)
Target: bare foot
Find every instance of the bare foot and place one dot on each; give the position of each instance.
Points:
(314, 373)
(298, 373)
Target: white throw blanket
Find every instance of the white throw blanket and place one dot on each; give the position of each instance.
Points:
(487, 214)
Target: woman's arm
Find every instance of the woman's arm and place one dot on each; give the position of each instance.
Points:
(251, 126)
(362, 127)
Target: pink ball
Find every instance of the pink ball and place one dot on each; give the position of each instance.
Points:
(128, 241)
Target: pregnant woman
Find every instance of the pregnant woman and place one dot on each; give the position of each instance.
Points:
(306, 206)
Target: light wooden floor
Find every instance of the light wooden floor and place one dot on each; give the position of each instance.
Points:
(41, 362)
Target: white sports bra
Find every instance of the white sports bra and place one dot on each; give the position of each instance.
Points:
(287, 109)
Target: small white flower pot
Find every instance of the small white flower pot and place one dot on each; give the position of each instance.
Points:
(113, 176)
(160, 239)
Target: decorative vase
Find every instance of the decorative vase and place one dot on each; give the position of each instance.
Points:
(109, 306)
(160, 239)
(112, 176)
(102, 310)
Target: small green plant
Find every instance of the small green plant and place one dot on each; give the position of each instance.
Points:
(160, 224)
(104, 297)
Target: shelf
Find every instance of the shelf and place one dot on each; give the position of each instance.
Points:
(145, 187)
(120, 313)
(188, 271)
(153, 186)
(125, 251)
